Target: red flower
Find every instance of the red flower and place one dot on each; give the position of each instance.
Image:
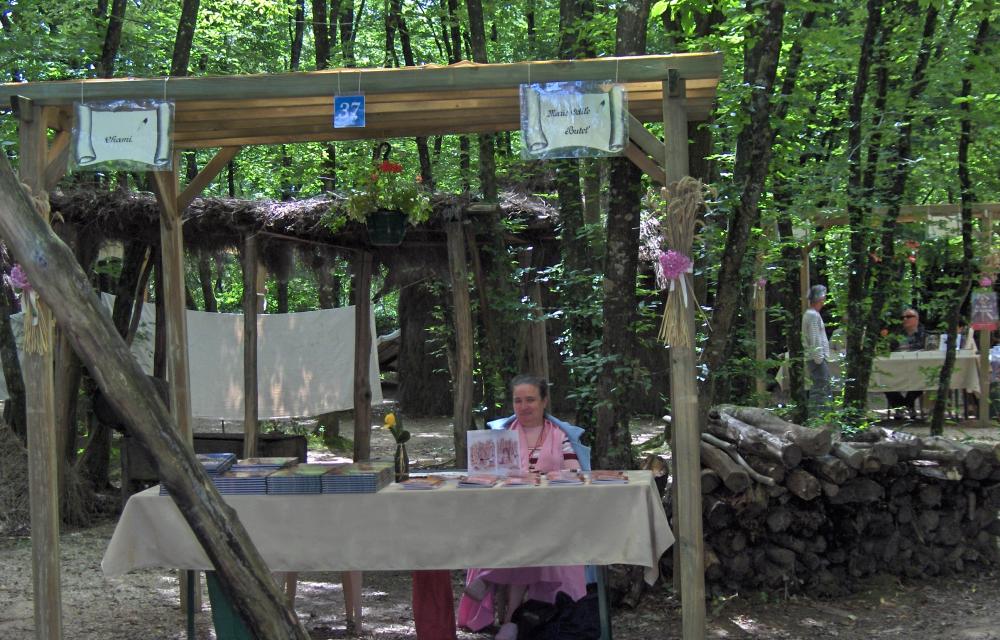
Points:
(390, 167)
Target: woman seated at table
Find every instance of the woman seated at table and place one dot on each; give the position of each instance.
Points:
(546, 444)
(914, 338)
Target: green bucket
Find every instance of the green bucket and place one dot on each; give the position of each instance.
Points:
(228, 623)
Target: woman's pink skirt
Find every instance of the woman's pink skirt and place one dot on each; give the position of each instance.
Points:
(543, 584)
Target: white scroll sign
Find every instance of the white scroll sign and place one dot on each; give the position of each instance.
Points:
(140, 136)
(573, 120)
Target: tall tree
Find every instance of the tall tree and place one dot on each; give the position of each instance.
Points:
(185, 38)
(761, 49)
(861, 338)
(967, 198)
(612, 443)
(112, 39)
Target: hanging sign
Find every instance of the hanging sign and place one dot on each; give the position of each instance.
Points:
(984, 310)
(348, 111)
(573, 120)
(123, 134)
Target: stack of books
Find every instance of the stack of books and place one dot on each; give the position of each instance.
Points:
(214, 464)
(422, 482)
(247, 481)
(273, 464)
(564, 477)
(608, 477)
(358, 477)
(527, 480)
(302, 478)
(478, 481)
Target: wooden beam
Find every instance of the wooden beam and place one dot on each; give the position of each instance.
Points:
(59, 279)
(644, 162)
(373, 81)
(205, 176)
(172, 257)
(458, 268)
(39, 378)
(362, 356)
(249, 346)
(685, 418)
(57, 159)
(645, 140)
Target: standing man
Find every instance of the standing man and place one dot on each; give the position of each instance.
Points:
(817, 351)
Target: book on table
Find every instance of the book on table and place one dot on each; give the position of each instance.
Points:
(422, 482)
(478, 481)
(564, 477)
(273, 463)
(602, 476)
(213, 464)
(301, 478)
(358, 477)
(242, 481)
(522, 480)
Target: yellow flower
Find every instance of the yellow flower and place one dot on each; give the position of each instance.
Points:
(390, 420)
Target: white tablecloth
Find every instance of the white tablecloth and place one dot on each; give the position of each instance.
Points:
(395, 529)
(911, 371)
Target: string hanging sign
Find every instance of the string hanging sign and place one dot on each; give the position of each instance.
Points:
(123, 134)
(573, 120)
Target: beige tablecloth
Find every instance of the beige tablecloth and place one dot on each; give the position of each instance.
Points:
(394, 529)
(911, 371)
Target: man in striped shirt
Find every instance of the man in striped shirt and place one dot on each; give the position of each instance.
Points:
(817, 351)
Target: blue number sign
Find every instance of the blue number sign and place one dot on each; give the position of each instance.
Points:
(348, 111)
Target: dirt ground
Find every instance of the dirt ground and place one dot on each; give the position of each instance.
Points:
(144, 604)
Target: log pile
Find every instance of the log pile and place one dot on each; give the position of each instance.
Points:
(796, 509)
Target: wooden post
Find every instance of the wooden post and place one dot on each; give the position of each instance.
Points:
(458, 269)
(174, 309)
(250, 308)
(760, 346)
(684, 401)
(43, 453)
(984, 340)
(362, 356)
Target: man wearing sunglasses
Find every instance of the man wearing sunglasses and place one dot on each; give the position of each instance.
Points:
(913, 339)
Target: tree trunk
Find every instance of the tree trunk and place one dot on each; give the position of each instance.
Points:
(112, 39)
(753, 156)
(968, 197)
(424, 384)
(63, 285)
(612, 443)
(185, 38)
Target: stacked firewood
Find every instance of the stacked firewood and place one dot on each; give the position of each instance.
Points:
(786, 507)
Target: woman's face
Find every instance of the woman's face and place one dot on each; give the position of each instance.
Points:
(529, 407)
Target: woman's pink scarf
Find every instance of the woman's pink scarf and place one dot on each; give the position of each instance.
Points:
(550, 453)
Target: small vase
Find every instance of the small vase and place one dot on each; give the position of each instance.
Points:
(402, 463)
(386, 228)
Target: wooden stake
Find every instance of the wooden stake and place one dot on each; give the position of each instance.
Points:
(250, 426)
(684, 403)
(362, 356)
(43, 453)
(463, 337)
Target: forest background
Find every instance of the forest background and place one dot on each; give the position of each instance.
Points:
(826, 109)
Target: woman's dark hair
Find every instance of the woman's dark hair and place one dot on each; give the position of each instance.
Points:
(536, 381)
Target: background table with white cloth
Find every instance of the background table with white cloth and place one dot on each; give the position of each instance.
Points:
(910, 371)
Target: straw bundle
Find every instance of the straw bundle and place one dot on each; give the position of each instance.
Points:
(37, 317)
(684, 199)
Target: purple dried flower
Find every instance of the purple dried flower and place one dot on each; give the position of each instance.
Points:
(673, 263)
(19, 279)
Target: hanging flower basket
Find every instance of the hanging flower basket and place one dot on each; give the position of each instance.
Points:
(386, 227)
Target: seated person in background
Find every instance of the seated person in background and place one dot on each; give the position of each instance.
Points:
(546, 444)
(913, 339)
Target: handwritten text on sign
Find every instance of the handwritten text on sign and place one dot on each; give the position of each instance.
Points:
(125, 134)
(573, 120)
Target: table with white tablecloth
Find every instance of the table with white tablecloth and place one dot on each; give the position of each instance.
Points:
(394, 529)
(911, 371)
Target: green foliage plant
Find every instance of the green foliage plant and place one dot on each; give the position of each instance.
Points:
(385, 187)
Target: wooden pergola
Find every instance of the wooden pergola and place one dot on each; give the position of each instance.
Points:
(235, 111)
